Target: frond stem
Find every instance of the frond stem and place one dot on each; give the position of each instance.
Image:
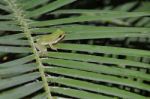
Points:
(18, 13)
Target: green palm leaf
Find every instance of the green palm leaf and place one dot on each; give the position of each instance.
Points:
(80, 68)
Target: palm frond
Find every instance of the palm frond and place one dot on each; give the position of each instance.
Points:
(83, 67)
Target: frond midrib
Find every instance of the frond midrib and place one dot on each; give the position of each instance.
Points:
(20, 18)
